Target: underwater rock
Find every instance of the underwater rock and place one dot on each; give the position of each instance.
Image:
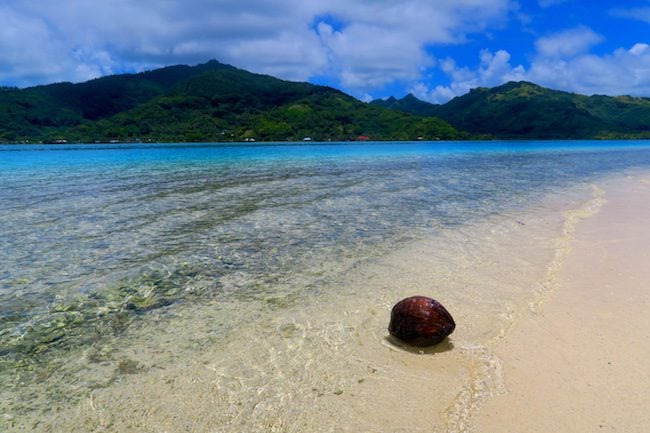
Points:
(420, 321)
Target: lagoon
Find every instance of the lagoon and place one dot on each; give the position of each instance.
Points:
(247, 287)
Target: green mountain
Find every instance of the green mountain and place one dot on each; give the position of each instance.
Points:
(208, 102)
(522, 110)
(217, 102)
(408, 104)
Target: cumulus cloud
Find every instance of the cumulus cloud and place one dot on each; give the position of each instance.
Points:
(21, 37)
(379, 41)
(567, 43)
(624, 71)
(360, 46)
(494, 69)
(562, 61)
(386, 41)
(364, 61)
(81, 39)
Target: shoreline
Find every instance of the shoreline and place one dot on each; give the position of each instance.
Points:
(576, 361)
(324, 364)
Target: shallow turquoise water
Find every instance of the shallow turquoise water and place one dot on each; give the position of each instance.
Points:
(96, 237)
(79, 218)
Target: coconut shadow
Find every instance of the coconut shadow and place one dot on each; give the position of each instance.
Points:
(444, 346)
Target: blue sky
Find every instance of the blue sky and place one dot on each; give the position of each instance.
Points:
(434, 49)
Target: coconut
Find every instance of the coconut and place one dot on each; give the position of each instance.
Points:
(420, 321)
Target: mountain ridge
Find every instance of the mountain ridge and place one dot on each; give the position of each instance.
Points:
(218, 102)
(525, 110)
(207, 102)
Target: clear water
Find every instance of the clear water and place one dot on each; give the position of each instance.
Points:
(99, 240)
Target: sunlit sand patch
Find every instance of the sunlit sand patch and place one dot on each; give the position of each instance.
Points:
(576, 362)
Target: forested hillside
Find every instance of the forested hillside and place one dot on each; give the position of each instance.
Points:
(208, 102)
(522, 110)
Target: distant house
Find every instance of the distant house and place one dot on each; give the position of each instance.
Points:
(362, 138)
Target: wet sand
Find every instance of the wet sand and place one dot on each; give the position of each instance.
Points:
(578, 361)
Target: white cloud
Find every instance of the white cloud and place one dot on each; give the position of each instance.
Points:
(562, 61)
(378, 41)
(365, 61)
(359, 45)
(494, 69)
(383, 42)
(567, 43)
(16, 49)
(639, 49)
(624, 71)
(641, 13)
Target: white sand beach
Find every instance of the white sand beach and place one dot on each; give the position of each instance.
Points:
(579, 362)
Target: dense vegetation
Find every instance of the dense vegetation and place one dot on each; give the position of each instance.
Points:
(525, 110)
(209, 102)
(217, 102)
(408, 104)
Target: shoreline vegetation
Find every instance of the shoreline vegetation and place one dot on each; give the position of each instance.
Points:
(214, 102)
